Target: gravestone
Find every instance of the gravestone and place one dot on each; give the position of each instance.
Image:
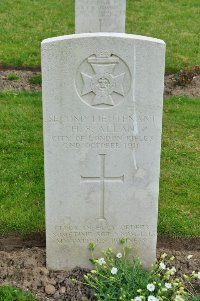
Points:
(102, 112)
(102, 102)
(100, 16)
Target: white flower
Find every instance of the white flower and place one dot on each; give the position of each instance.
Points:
(179, 298)
(138, 298)
(172, 271)
(189, 256)
(114, 271)
(119, 255)
(168, 285)
(151, 287)
(152, 298)
(198, 275)
(101, 261)
(162, 265)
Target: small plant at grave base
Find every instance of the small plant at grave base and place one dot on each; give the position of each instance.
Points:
(36, 79)
(8, 293)
(117, 277)
(13, 76)
(185, 77)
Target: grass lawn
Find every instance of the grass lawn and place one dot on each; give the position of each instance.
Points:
(179, 209)
(21, 165)
(25, 23)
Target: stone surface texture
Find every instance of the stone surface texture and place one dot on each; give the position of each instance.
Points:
(100, 16)
(102, 111)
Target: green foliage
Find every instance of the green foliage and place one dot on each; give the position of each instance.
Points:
(196, 298)
(8, 293)
(118, 276)
(13, 76)
(176, 22)
(36, 79)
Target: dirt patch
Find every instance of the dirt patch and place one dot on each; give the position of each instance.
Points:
(23, 68)
(21, 84)
(191, 89)
(15, 241)
(26, 269)
(179, 243)
(172, 86)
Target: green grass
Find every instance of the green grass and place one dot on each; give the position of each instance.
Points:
(13, 76)
(25, 23)
(175, 22)
(8, 293)
(21, 165)
(180, 168)
(36, 79)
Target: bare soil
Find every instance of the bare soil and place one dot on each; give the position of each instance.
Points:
(21, 84)
(22, 264)
(172, 88)
(191, 89)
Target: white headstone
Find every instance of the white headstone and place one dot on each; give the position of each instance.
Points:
(100, 15)
(102, 105)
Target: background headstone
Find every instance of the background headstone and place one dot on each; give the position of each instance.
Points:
(100, 16)
(102, 106)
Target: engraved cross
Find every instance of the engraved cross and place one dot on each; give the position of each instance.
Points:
(101, 180)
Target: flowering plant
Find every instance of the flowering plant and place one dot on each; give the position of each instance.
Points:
(117, 277)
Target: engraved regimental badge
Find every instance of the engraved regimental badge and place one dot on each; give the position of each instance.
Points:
(103, 80)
